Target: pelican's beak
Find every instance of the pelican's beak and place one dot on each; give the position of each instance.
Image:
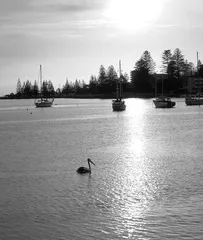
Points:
(91, 162)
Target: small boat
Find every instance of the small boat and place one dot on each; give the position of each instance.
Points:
(194, 100)
(163, 102)
(119, 104)
(42, 101)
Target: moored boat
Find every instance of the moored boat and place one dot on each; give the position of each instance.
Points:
(43, 101)
(119, 104)
(164, 102)
(194, 100)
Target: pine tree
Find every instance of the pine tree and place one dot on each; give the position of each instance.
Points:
(93, 85)
(19, 89)
(178, 58)
(35, 89)
(66, 87)
(166, 58)
(112, 77)
(50, 88)
(144, 68)
(44, 89)
(102, 79)
(146, 62)
(28, 89)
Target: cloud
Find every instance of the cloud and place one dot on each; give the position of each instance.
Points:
(43, 28)
(10, 7)
(75, 6)
(49, 16)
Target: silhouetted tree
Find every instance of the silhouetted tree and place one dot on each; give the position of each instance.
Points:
(50, 88)
(19, 89)
(111, 79)
(77, 86)
(168, 67)
(200, 69)
(166, 59)
(102, 80)
(28, 89)
(44, 89)
(178, 58)
(188, 69)
(146, 62)
(66, 88)
(35, 89)
(144, 68)
(93, 85)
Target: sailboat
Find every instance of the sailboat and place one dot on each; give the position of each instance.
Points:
(118, 104)
(162, 101)
(198, 99)
(43, 101)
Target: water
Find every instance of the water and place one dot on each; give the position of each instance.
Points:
(146, 184)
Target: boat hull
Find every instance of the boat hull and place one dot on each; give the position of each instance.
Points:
(118, 105)
(164, 103)
(44, 103)
(190, 101)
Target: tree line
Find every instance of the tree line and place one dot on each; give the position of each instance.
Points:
(175, 68)
(29, 90)
(105, 83)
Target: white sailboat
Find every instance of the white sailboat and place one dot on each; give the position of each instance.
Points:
(162, 101)
(119, 104)
(43, 101)
(198, 99)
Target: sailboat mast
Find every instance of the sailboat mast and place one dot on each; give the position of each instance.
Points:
(117, 91)
(120, 77)
(198, 78)
(155, 87)
(40, 77)
(198, 74)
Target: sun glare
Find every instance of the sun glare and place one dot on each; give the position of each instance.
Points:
(134, 14)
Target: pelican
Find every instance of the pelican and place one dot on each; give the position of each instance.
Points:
(82, 170)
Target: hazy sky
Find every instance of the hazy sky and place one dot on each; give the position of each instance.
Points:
(72, 38)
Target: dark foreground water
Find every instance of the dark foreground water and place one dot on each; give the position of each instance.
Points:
(147, 182)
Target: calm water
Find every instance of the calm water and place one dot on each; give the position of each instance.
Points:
(147, 182)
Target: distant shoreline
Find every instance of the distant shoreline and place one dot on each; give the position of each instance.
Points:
(99, 96)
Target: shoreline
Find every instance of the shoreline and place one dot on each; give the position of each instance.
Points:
(99, 96)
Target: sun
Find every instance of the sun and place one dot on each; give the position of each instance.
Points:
(134, 14)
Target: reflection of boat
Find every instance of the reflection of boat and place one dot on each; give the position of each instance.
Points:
(43, 101)
(198, 99)
(118, 104)
(163, 102)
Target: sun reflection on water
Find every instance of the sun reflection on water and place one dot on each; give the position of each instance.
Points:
(135, 126)
(134, 187)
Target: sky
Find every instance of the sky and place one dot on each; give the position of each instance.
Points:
(71, 39)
